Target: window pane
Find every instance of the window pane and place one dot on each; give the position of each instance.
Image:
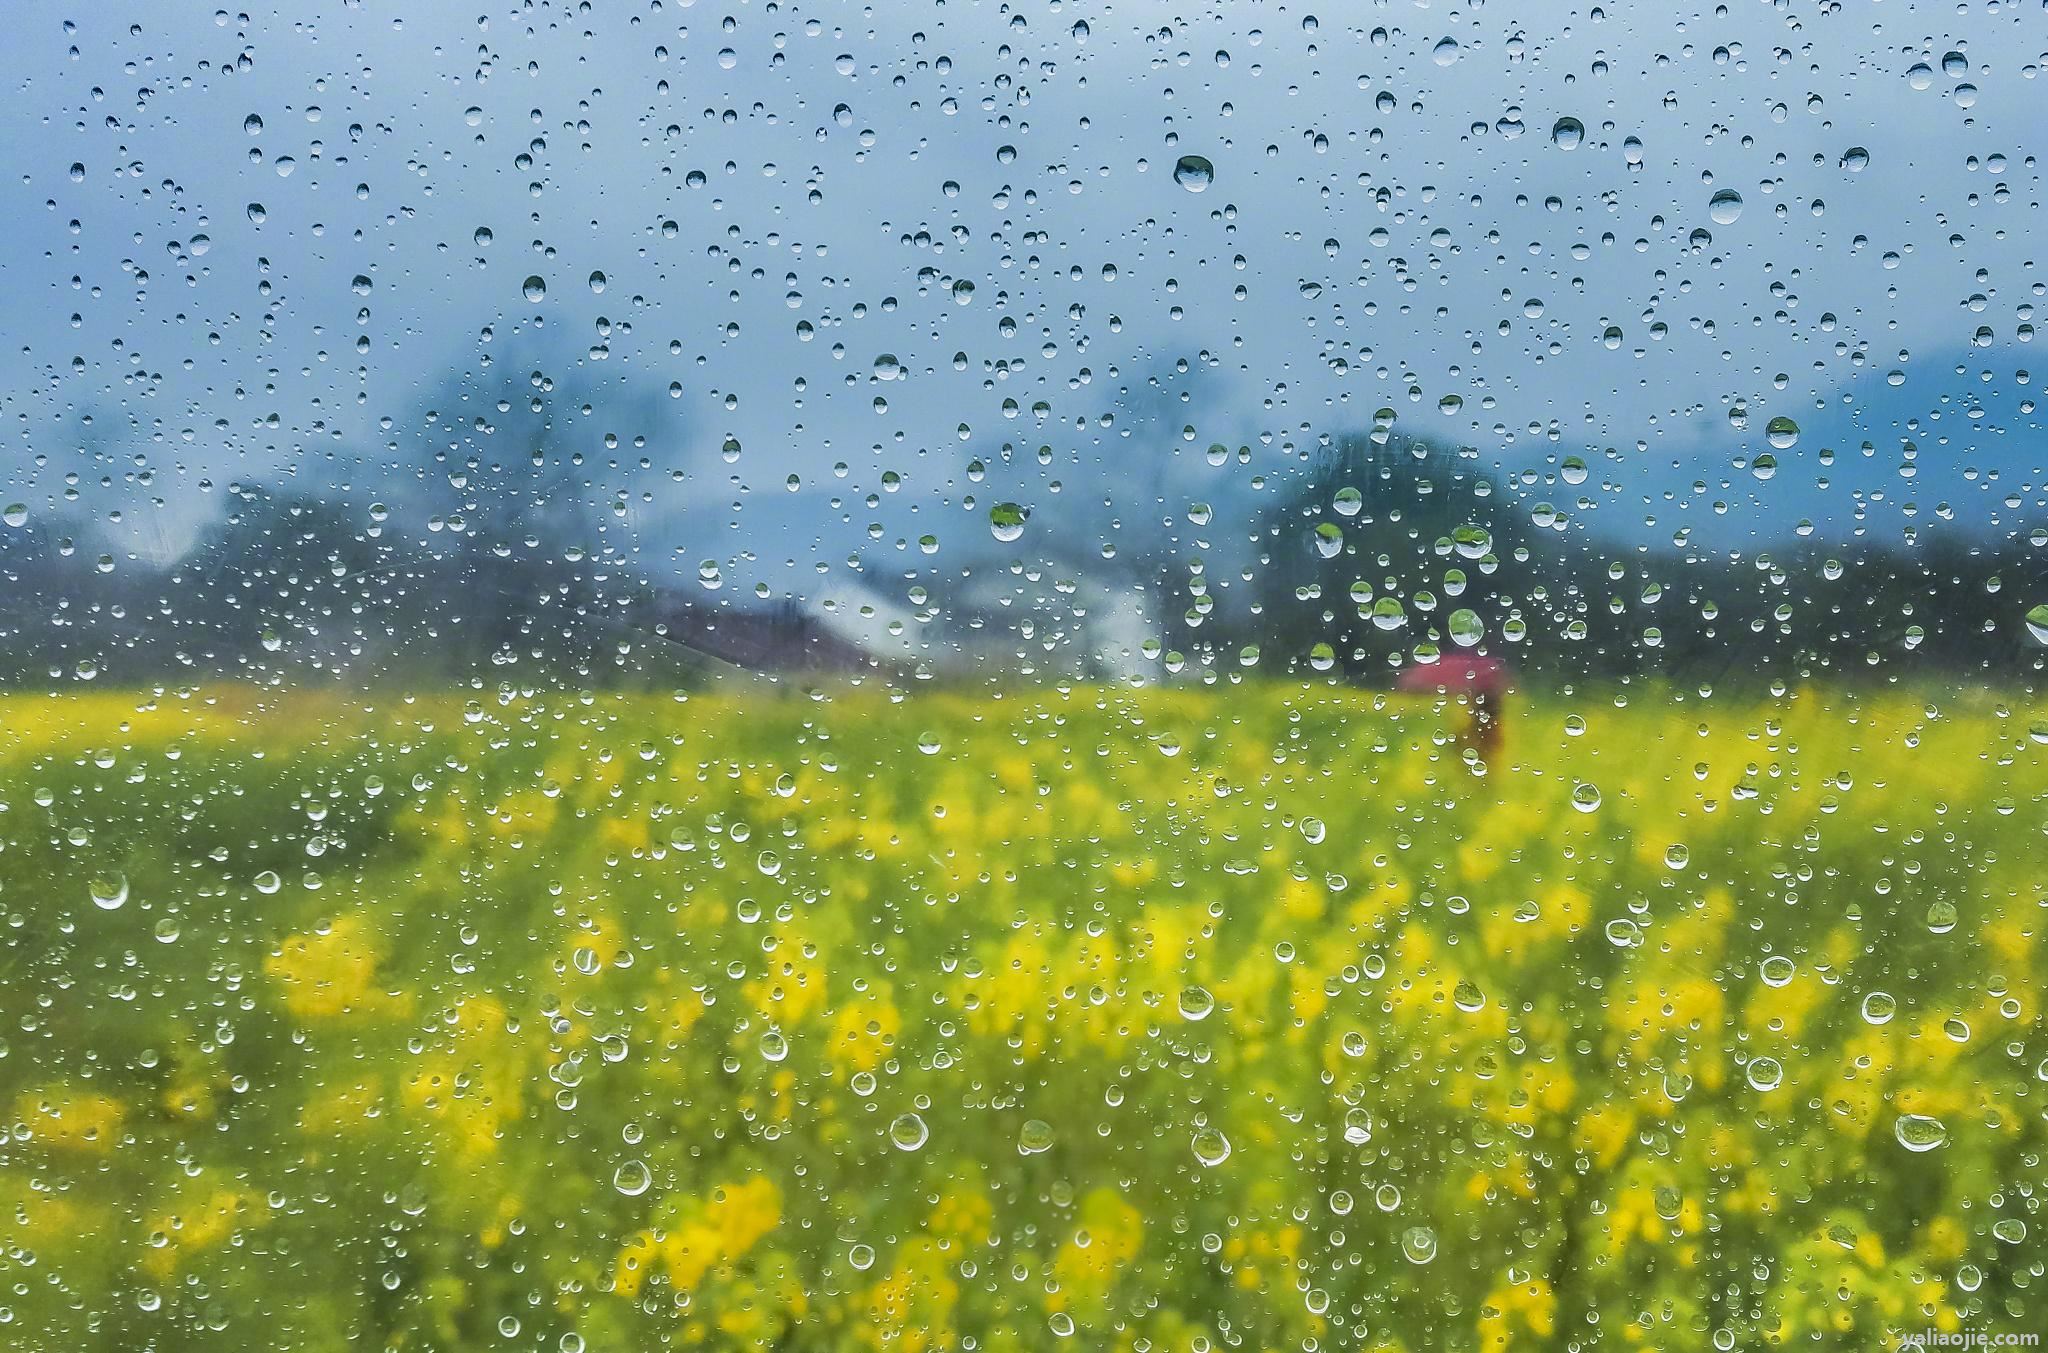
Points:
(803, 676)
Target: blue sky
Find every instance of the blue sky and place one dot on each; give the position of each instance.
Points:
(250, 248)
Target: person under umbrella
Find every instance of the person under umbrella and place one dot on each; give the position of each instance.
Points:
(1482, 683)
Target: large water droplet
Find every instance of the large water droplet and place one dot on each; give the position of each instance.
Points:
(632, 1178)
(1918, 1132)
(1211, 1147)
(1194, 172)
(1725, 206)
(109, 891)
(1567, 134)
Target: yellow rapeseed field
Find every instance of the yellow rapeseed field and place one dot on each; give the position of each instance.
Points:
(1259, 1017)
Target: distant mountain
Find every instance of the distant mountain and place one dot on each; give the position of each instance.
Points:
(1953, 441)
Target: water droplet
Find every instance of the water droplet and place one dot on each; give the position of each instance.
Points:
(1035, 1136)
(1764, 1073)
(1418, 1244)
(252, 124)
(908, 1132)
(15, 514)
(534, 289)
(109, 891)
(1196, 1003)
(1211, 1147)
(2037, 618)
(632, 1178)
(1006, 521)
(1446, 52)
(1585, 797)
(1194, 172)
(1918, 1132)
(1782, 433)
(267, 882)
(1568, 133)
(1725, 206)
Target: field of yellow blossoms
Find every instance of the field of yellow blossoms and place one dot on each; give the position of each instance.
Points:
(1258, 1017)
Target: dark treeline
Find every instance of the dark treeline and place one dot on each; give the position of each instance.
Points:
(508, 554)
(1382, 546)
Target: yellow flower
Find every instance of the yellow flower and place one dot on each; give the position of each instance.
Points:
(864, 1030)
(331, 970)
(205, 1223)
(1101, 1247)
(69, 1120)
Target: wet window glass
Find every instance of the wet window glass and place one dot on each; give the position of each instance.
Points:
(786, 675)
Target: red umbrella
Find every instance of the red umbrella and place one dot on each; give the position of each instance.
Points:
(1474, 674)
(1484, 682)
